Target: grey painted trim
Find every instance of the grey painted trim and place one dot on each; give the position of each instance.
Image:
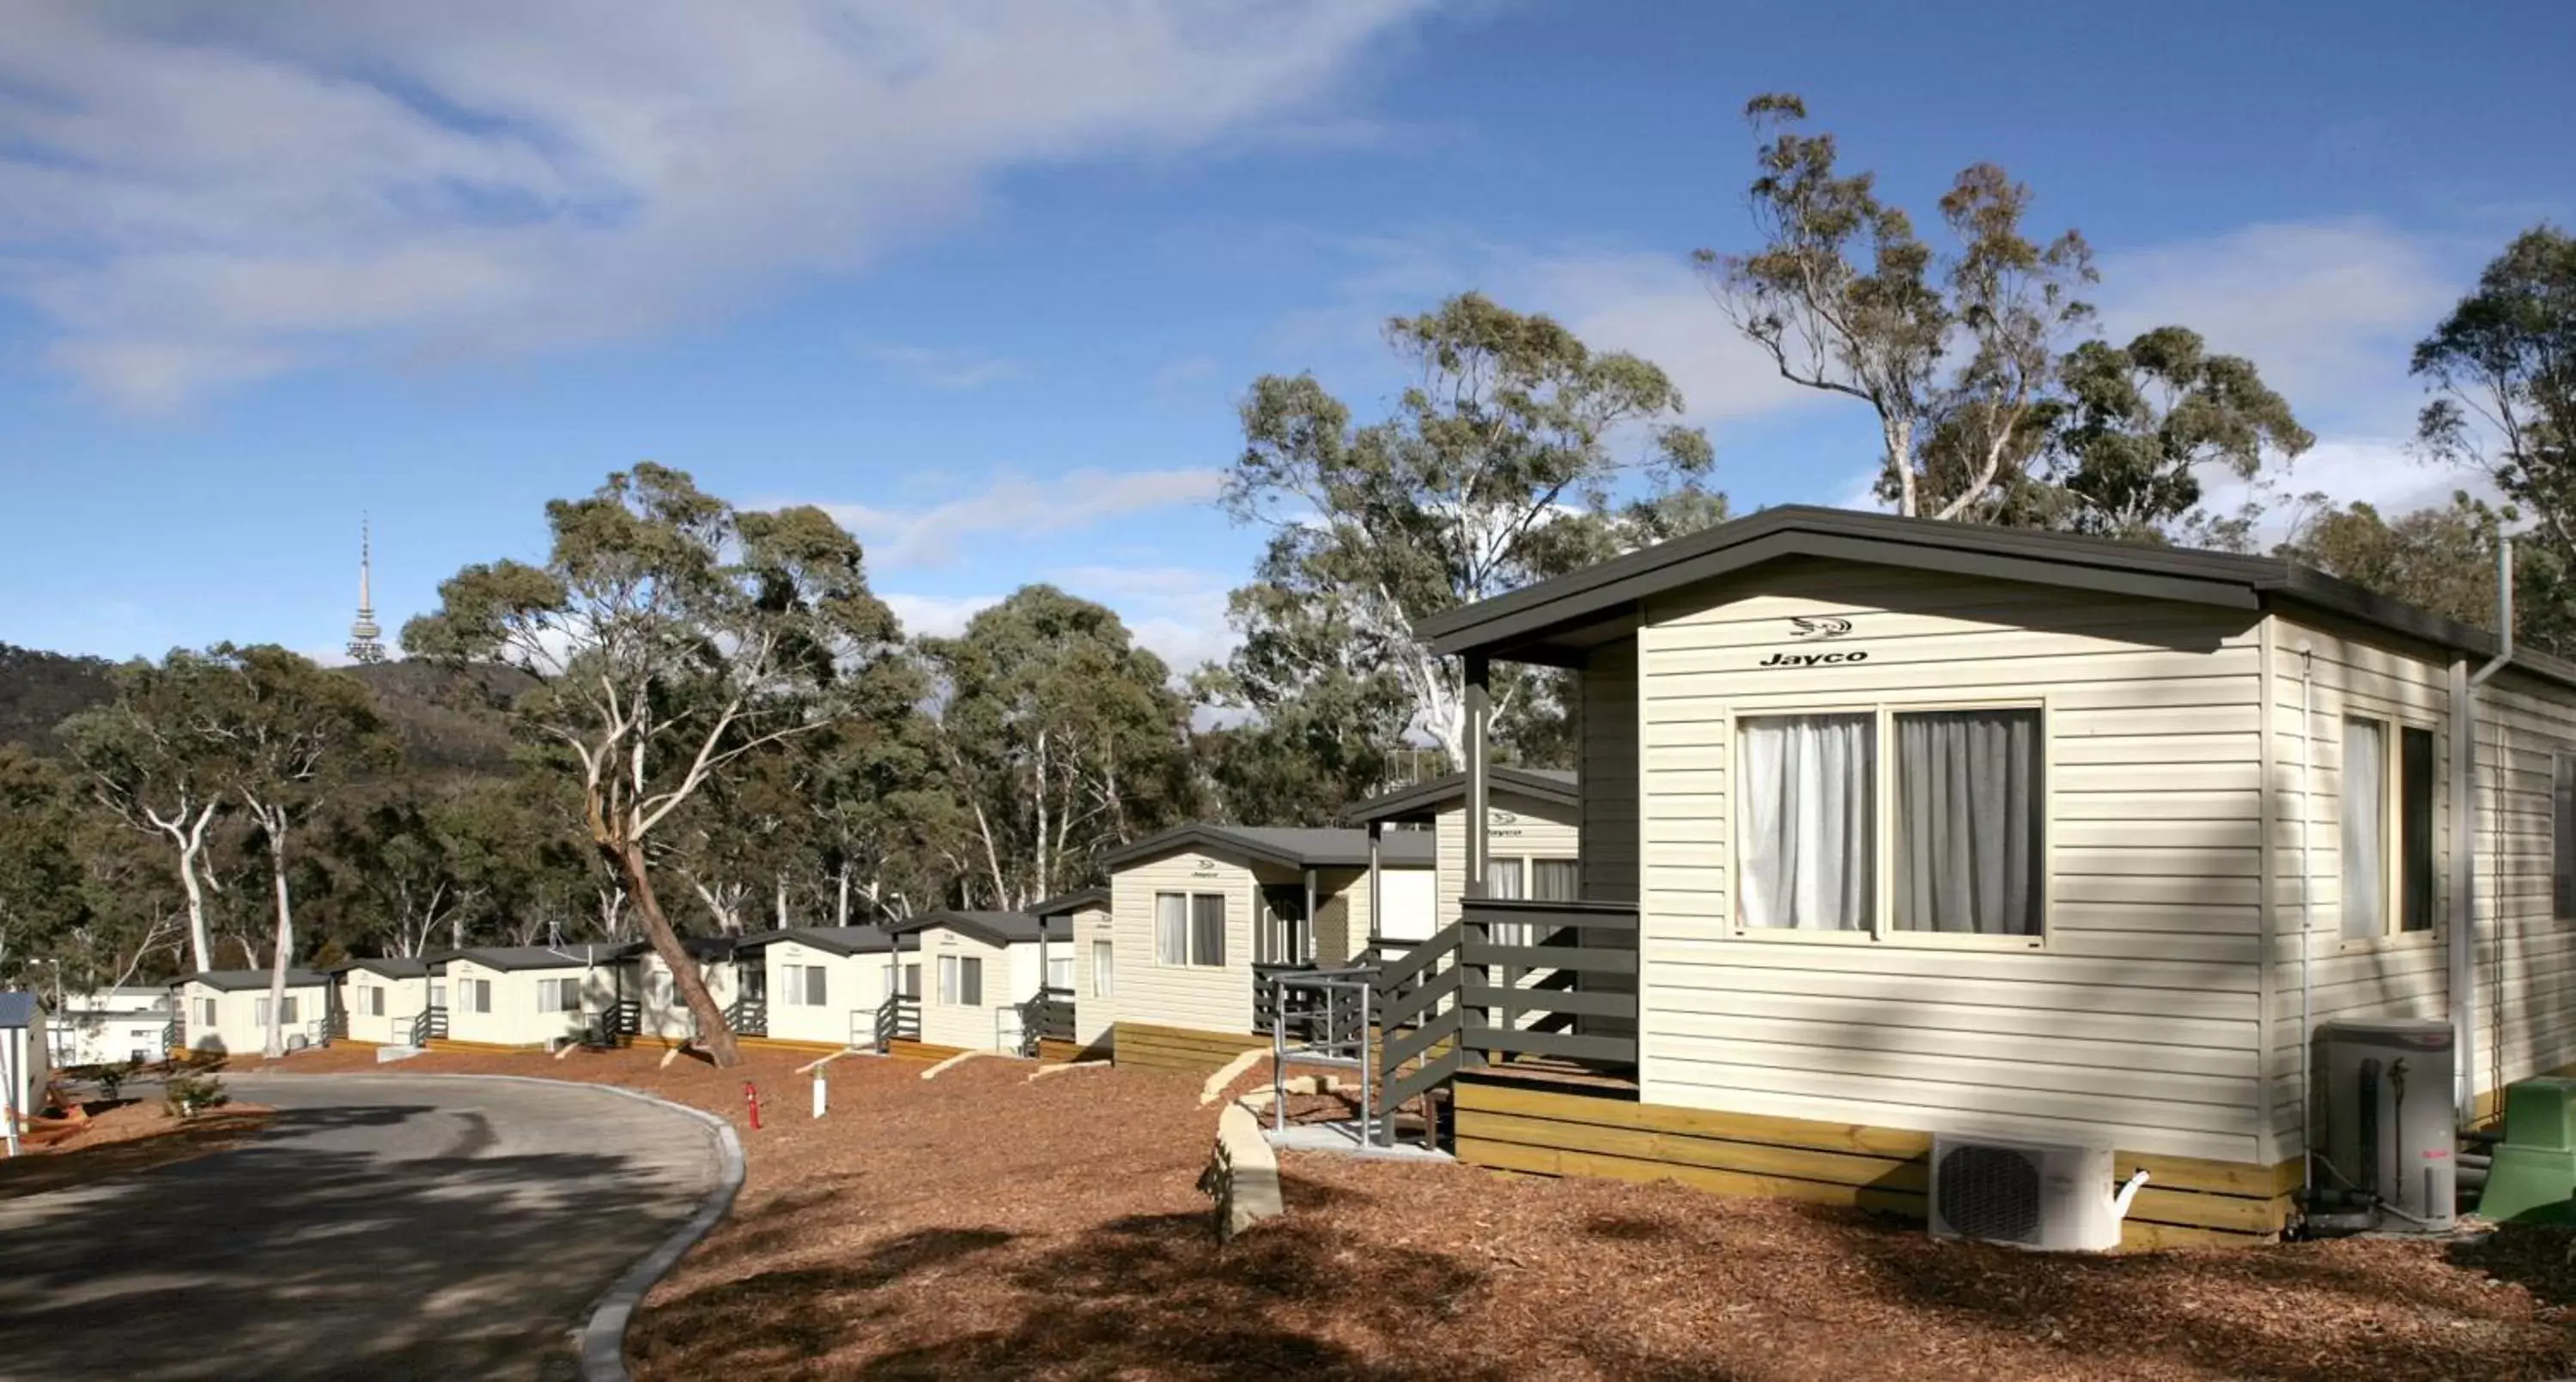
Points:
(1426, 798)
(1520, 625)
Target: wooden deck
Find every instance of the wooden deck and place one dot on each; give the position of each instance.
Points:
(1183, 1049)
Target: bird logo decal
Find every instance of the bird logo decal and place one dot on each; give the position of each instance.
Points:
(1822, 627)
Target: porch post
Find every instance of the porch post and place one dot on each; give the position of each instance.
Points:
(1313, 948)
(1480, 710)
(1377, 889)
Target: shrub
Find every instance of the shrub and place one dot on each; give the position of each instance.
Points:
(183, 1095)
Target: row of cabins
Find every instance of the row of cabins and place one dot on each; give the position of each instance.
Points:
(961, 977)
(1881, 829)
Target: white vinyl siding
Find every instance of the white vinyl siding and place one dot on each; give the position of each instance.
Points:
(1095, 974)
(977, 988)
(1164, 994)
(2526, 952)
(821, 995)
(2133, 1019)
(1522, 831)
(236, 1020)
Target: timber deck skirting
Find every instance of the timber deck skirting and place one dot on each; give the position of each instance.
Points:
(1564, 1132)
(1187, 1050)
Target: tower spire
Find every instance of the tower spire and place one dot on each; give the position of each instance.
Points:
(366, 640)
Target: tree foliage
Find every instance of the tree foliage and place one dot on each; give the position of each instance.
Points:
(1516, 453)
(670, 635)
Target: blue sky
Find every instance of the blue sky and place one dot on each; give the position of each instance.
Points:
(988, 278)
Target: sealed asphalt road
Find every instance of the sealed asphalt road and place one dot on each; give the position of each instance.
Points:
(383, 1227)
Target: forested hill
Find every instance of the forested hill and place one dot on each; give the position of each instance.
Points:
(37, 689)
(448, 721)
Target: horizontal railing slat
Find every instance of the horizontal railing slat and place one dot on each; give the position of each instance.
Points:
(1587, 960)
(1594, 1003)
(1599, 916)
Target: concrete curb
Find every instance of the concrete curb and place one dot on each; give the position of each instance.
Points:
(603, 1337)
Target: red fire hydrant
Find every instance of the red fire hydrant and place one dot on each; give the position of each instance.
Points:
(751, 1096)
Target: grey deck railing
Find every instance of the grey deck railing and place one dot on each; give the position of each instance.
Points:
(1511, 980)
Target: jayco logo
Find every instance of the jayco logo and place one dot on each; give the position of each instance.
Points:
(1813, 659)
(1823, 626)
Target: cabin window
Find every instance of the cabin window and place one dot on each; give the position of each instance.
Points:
(1809, 818)
(559, 995)
(961, 981)
(1060, 973)
(206, 1012)
(1555, 880)
(1503, 879)
(1189, 928)
(286, 1010)
(477, 994)
(375, 1002)
(807, 985)
(2562, 837)
(1104, 970)
(1942, 835)
(912, 981)
(438, 993)
(2415, 829)
(1968, 822)
(2387, 829)
(259, 1011)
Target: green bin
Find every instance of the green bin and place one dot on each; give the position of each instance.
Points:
(2533, 1178)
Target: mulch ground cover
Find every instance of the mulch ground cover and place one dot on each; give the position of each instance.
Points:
(986, 1225)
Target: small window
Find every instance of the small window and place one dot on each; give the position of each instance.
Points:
(1809, 818)
(1104, 970)
(1503, 879)
(438, 993)
(2415, 829)
(206, 1011)
(948, 980)
(1060, 973)
(375, 1002)
(971, 982)
(2365, 829)
(1171, 928)
(259, 1011)
(478, 995)
(1207, 929)
(1555, 880)
(912, 981)
(287, 1010)
(1968, 799)
(558, 996)
(817, 985)
(2562, 837)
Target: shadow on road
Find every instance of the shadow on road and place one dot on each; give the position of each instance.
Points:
(306, 1252)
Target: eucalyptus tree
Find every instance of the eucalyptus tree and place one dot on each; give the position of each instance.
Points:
(670, 634)
(1517, 453)
(1062, 738)
(41, 899)
(151, 766)
(284, 734)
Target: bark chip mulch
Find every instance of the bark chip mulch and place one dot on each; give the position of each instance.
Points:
(981, 1225)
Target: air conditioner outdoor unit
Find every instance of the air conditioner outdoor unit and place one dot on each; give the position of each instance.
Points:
(2028, 1194)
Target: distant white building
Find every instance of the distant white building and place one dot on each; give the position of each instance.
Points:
(111, 1025)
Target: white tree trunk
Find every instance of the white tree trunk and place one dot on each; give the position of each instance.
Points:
(272, 822)
(188, 833)
(841, 903)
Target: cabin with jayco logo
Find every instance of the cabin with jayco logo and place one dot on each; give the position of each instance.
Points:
(1894, 830)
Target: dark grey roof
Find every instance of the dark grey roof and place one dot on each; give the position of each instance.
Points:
(839, 940)
(575, 955)
(1295, 847)
(244, 980)
(1423, 800)
(18, 1008)
(1064, 904)
(992, 928)
(1556, 620)
(391, 967)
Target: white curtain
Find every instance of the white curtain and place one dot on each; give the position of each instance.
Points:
(2365, 829)
(1806, 850)
(1967, 822)
(1171, 928)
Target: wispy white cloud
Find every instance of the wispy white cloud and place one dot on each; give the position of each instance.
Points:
(200, 197)
(936, 616)
(1016, 507)
(2329, 311)
(1178, 612)
(944, 369)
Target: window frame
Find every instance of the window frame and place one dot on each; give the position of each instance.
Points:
(2393, 725)
(1190, 956)
(1882, 930)
(1104, 968)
